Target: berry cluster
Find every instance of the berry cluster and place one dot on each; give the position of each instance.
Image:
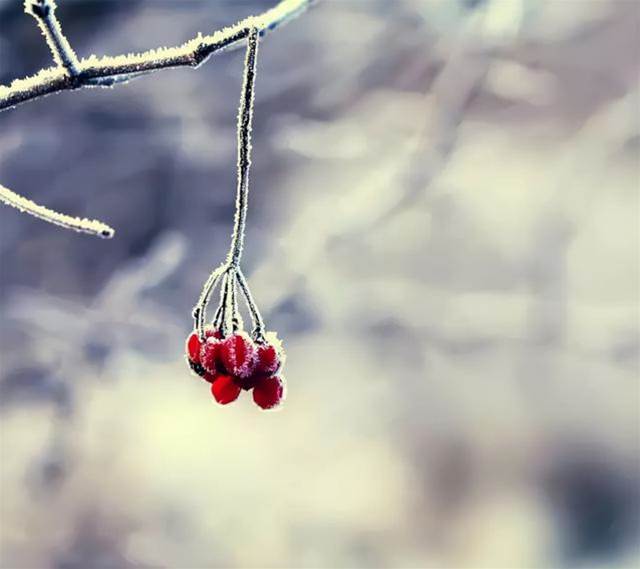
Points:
(235, 363)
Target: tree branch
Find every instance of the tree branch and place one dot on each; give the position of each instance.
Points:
(109, 71)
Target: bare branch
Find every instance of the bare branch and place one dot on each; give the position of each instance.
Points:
(25, 205)
(108, 71)
(44, 11)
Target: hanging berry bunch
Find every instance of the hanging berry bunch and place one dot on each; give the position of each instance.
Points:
(221, 352)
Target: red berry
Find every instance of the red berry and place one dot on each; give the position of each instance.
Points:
(238, 355)
(269, 392)
(193, 347)
(210, 354)
(224, 389)
(268, 359)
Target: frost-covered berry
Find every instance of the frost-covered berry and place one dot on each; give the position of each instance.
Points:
(210, 355)
(267, 359)
(194, 344)
(269, 392)
(224, 389)
(200, 361)
(193, 354)
(193, 348)
(238, 355)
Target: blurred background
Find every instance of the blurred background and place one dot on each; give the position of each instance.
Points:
(443, 229)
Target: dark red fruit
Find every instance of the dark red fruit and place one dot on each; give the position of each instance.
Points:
(267, 360)
(224, 389)
(193, 347)
(238, 355)
(269, 392)
(210, 355)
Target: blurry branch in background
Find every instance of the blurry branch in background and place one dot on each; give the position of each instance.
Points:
(82, 225)
(412, 166)
(71, 73)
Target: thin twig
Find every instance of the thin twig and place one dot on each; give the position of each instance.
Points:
(245, 116)
(82, 225)
(224, 303)
(236, 317)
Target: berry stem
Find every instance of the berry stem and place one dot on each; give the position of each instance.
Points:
(236, 318)
(227, 317)
(228, 308)
(200, 310)
(217, 319)
(258, 322)
(223, 304)
(245, 116)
